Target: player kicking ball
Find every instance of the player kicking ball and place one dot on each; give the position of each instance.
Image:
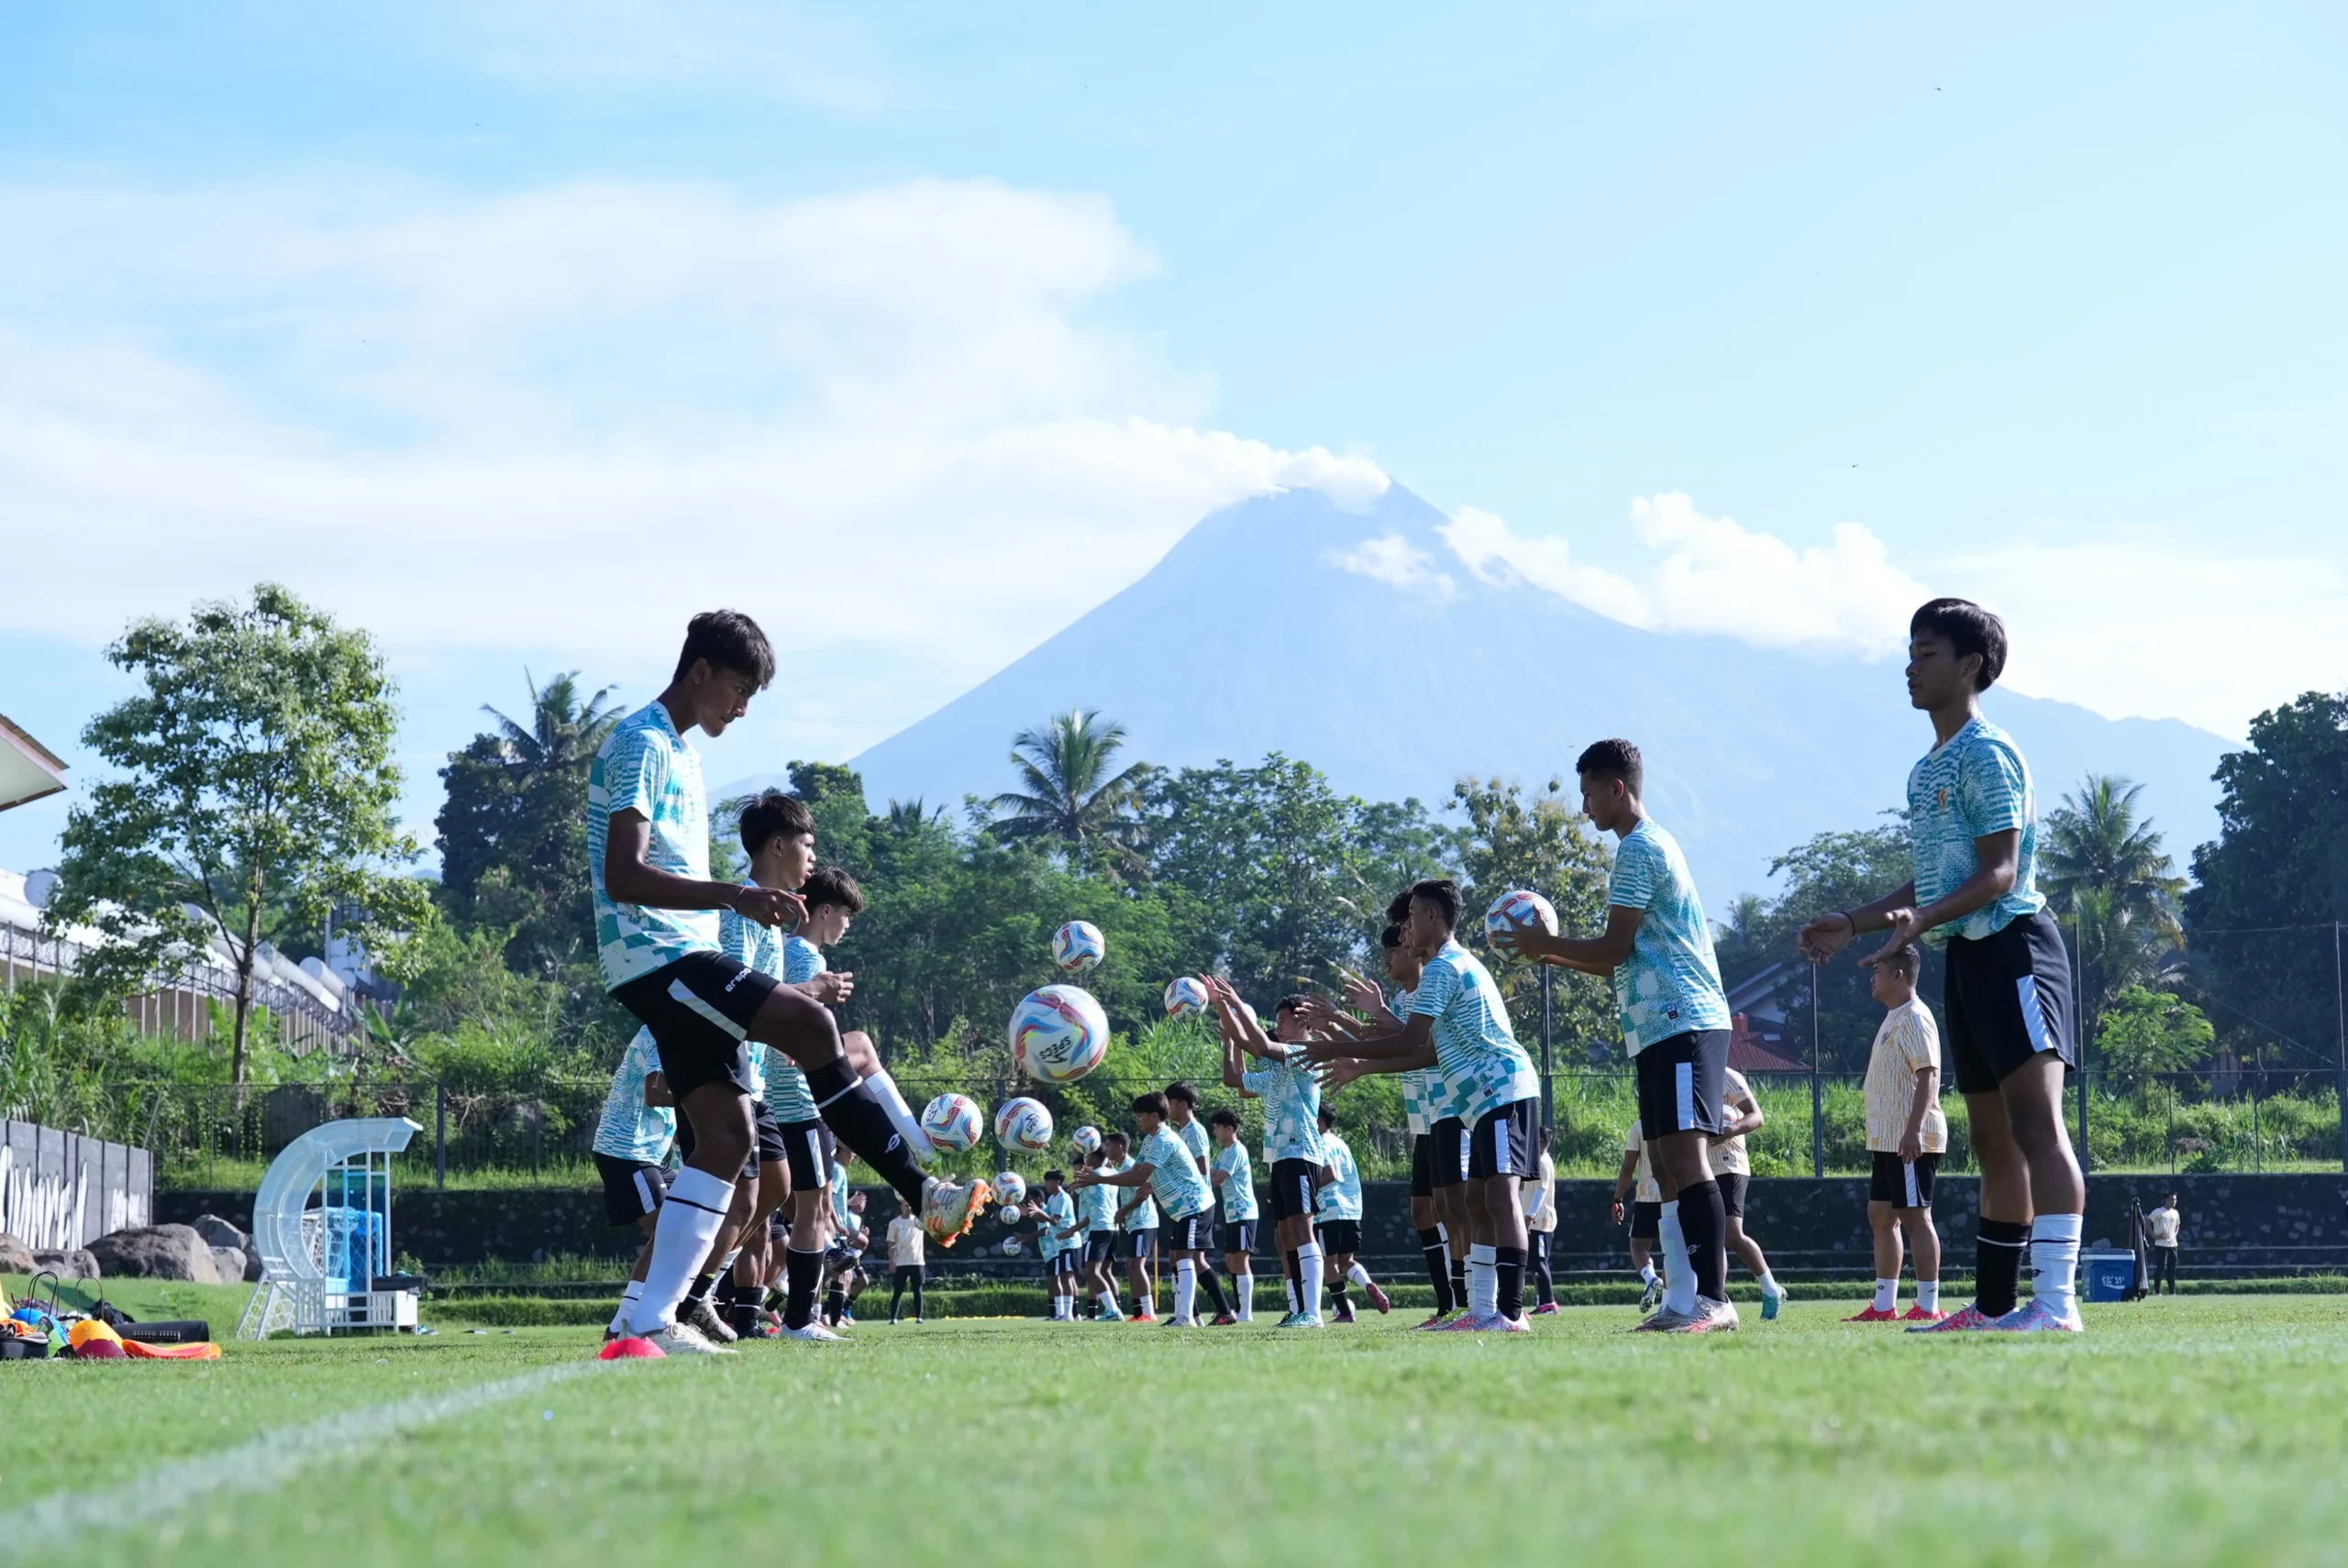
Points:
(1972, 828)
(1164, 1164)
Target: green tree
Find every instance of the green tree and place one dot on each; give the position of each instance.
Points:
(252, 798)
(2144, 1031)
(2107, 875)
(1070, 798)
(1541, 843)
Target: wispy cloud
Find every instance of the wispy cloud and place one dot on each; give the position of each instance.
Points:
(1391, 559)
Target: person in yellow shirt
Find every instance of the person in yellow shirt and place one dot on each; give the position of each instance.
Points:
(1731, 1167)
(1907, 1135)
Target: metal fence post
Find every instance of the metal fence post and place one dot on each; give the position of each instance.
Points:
(439, 1132)
(2340, 1001)
(1817, 1095)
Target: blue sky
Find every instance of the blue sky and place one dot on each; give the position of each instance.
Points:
(918, 335)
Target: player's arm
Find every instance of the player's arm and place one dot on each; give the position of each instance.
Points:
(1371, 1001)
(1748, 1119)
(630, 877)
(1599, 955)
(1322, 1013)
(1999, 867)
(1928, 1094)
(655, 1090)
(1625, 1179)
(1383, 1052)
(1830, 933)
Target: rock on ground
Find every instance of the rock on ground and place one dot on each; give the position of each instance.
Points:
(76, 1264)
(158, 1252)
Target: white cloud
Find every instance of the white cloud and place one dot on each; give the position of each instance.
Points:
(1391, 559)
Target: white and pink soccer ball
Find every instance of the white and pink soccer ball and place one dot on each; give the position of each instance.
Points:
(1023, 1124)
(1086, 1140)
(1079, 946)
(1058, 1034)
(953, 1122)
(1186, 996)
(1521, 910)
(1011, 1187)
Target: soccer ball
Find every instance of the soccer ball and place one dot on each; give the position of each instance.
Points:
(1023, 1124)
(1077, 946)
(1185, 996)
(1007, 1215)
(1010, 1246)
(952, 1122)
(1086, 1140)
(1011, 1187)
(1523, 910)
(1058, 1034)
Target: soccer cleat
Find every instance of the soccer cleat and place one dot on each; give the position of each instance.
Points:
(815, 1333)
(1379, 1298)
(1652, 1298)
(705, 1320)
(1435, 1320)
(1221, 1319)
(1921, 1314)
(1967, 1320)
(1873, 1314)
(1546, 1310)
(1510, 1326)
(683, 1338)
(1723, 1319)
(2035, 1317)
(1179, 1323)
(1471, 1323)
(1668, 1320)
(1771, 1302)
(948, 1211)
(1345, 1314)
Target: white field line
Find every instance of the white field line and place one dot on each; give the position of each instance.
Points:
(260, 1463)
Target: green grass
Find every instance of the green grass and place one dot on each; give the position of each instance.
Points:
(2195, 1430)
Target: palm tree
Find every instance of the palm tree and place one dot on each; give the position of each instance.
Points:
(563, 731)
(2105, 871)
(1068, 797)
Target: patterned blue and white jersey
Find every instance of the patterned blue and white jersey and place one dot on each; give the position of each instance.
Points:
(1671, 983)
(1340, 1198)
(645, 765)
(629, 1129)
(1292, 1098)
(1237, 1192)
(1421, 1087)
(1976, 785)
(1144, 1214)
(759, 947)
(838, 1186)
(795, 960)
(1174, 1177)
(1193, 1134)
(1096, 1207)
(1475, 1051)
(1059, 1212)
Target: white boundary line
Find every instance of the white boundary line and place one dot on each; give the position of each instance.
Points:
(261, 1462)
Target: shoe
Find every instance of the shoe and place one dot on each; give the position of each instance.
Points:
(1965, 1320)
(683, 1338)
(846, 1317)
(1652, 1298)
(1179, 1323)
(1709, 1318)
(1510, 1326)
(1921, 1314)
(1873, 1315)
(614, 1331)
(1146, 1315)
(1220, 1320)
(704, 1318)
(1724, 1316)
(1470, 1323)
(948, 1211)
(1667, 1319)
(814, 1334)
(1379, 1298)
(1344, 1314)
(1435, 1320)
(1771, 1301)
(1546, 1310)
(2035, 1317)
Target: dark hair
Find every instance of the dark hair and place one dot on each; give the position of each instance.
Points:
(1398, 908)
(1150, 1104)
(1326, 1117)
(832, 885)
(1292, 1002)
(1182, 1092)
(1054, 1176)
(729, 640)
(1390, 938)
(1615, 760)
(773, 814)
(1227, 1116)
(1906, 961)
(1443, 894)
(1969, 630)
(1097, 1155)
(1108, 1138)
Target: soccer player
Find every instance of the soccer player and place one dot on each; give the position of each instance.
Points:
(1459, 1022)
(906, 1260)
(1431, 1207)
(1061, 1239)
(1636, 1181)
(1137, 1223)
(1540, 1226)
(1973, 829)
(1336, 1217)
(1907, 1135)
(1658, 951)
(1731, 1167)
(1096, 1212)
(1163, 1165)
(657, 941)
(1183, 1117)
(1235, 1193)
(845, 1261)
(1292, 1098)
(630, 1149)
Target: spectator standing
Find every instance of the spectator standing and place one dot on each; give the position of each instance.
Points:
(2165, 1223)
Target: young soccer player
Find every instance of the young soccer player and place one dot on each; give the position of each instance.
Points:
(1234, 1192)
(1096, 1211)
(1658, 950)
(906, 1260)
(1431, 1207)
(1972, 826)
(1164, 1165)
(1292, 1098)
(1336, 1217)
(1907, 1135)
(1731, 1167)
(1636, 1181)
(845, 1261)
(1459, 1022)
(657, 940)
(1063, 1240)
(631, 1145)
(1541, 1226)
(1137, 1224)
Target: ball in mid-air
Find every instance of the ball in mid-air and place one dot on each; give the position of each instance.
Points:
(1010, 1246)
(1521, 910)
(1086, 1140)
(1011, 1187)
(1079, 946)
(1023, 1124)
(1185, 996)
(1007, 1215)
(952, 1122)
(1058, 1034)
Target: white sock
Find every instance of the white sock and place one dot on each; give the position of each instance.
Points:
(1886, 1295)
(1679, 1273)
(2054, 1260)
(1358, 1275)
(1769, 1286)
(1242, 1289)
(629, 1296)
(1483, 1279)
(1646, 1274)
(687, 1222)
(1290, 1284)
(901, 1115)
(1186, 1289)
(1309, 1263)
(1928, 1294)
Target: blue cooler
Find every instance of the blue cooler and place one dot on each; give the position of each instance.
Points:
(2107, 1277)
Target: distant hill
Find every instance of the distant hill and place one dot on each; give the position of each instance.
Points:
(1251, 636)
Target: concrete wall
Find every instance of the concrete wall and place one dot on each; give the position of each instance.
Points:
(59, 1190)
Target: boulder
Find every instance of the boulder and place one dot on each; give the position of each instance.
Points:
(219, 1232)
(156, 1252)
(14, 1257)
(75, 1264)
(229, 1265)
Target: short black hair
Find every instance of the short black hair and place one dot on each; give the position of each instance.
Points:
(1969, 630)
(1326, 1117)
(1227, 1116)
(1443, 894)
(1150, 1104)
(1398, 908)
(1183, 1092)
(1054, 1176)
(1390, 938)
(1907, 961)
(832, 885)
(1615, 760)
(1107, 1138)
(729, 640)
(773, 814)
(1292, 1002)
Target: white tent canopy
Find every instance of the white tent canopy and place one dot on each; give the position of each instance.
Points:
(28, 769)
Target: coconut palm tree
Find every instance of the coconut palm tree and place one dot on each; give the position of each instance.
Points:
(563, 731)
(2107, 875)
(1069, 797)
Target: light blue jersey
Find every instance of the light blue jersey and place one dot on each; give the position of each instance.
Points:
(645, 765)
(1193, 1134)
(1174, 1176)
(1671, 983)
(629, 1129)
(1238, 1191)
(839, 1191)
(1421, 1087)
(1059, 1213)
(1976, 785)
(1341, 1198)
(1475, 1052)
(1144, 1214)
(1292, 1098)
(1096, 1207)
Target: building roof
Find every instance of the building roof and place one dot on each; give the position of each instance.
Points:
(28, 770)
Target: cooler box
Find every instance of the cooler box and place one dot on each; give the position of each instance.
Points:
(2107, 1277)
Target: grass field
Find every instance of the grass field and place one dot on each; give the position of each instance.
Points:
(2193, 1430)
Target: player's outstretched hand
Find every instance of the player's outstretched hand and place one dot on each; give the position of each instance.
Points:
(1361, 993)
(833, 986)
(1903, 932)
(1824, 937)
(769, 906)
(1339, 1072)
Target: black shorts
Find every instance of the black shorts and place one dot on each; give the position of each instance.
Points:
(1292, 1188)
(1063, 1262)
(699, 1010)
(1732, 1185)
(1340, 1238)
(1188, 1235)
(1501, 1145)
(1141, 1243)
(765, 1133)
(840, 1260)
(1236, 1236)
(1448, 1154)
(1682, 1081)
(1421, 1165)
(1100, 1246)
(1647, 1221)
(2008, 998)
(807, 1151)
(632, 1188)
(750, 1161)
(1901, 1184)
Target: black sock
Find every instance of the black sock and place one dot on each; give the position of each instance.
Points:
(1459, 1282)
(1703, 1221)
(834, 1299)
(1437, 1254)
(1997, 1265)
(1338, 1296)
(1215, 1289)
(849, 1110)
(1508, 1263)
(804, 1272)
(1295, 1267)
(700, 1290)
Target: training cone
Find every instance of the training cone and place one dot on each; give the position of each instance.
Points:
(631, 1347)
(94, 1349)
(90, 1331)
